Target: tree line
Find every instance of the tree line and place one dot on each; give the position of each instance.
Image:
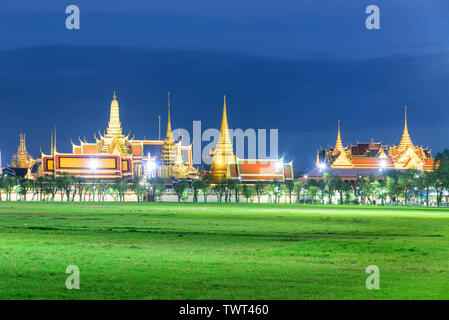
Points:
(393, 187)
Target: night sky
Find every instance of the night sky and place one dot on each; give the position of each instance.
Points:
(298, 66)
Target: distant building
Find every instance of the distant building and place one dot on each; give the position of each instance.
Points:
(21, 162)
(225, 165)
(371, 158)
(114, 155)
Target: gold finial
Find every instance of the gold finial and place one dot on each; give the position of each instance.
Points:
(51, 147)
(115, 96)
(224, 104)
(169, 134)
(405, 119)
(55, 140)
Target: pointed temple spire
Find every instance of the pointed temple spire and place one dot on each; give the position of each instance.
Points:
(21, 159)
(54, 142)
(405, 139)
(114, 126)
(224, 142)
(51, 138)
(223, 154)
(317, 161)
(338, 144)
(169, 134)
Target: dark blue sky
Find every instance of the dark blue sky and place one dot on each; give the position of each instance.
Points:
(293, 65)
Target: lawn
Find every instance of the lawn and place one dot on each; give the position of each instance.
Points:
(221, 251)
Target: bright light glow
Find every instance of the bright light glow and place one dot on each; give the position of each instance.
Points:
(93, 164)
(323, 166)
(151, 165)
(306, 176)
(383, 164)
(279, 165)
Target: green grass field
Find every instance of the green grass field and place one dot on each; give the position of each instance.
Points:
(221, 251)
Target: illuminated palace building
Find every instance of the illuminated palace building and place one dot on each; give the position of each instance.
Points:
(371, 158)
(114, 155)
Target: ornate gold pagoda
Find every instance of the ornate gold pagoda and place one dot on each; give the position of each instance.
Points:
(170, 156)
(374, 155)
(342, 156)
(223, 154)
(114, 142)
(408, 156)
(22, 158)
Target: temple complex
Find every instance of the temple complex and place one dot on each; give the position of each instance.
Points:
(225, 165)
(115, 155)
(372, 158)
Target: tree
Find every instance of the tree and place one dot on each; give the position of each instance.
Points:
(8, 185)
(248, 191)
(392, 186)
(24, 186)
(78, 183)
(180, 188)
(157, 187)
(41, 183)
(424, 183)
(140, 188)
(406, 182)
(298, 189)
(63, 184)
(290, 186)
(312, 192)
(197, 186)
(121, 185)
(259, 187)
(51, 187)
(441, 169)
(220, 189)
(269, 190)
(2, 183)
(340, 186)
(284, 192)
(205, 187)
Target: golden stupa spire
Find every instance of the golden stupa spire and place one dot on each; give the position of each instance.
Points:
(51, 147)
(224, 144)
(54, 142)
(338, 144)
(317, 161)
(21, 159)
(405, 139)
(223, 154)
(169, 134)
(114, 126)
